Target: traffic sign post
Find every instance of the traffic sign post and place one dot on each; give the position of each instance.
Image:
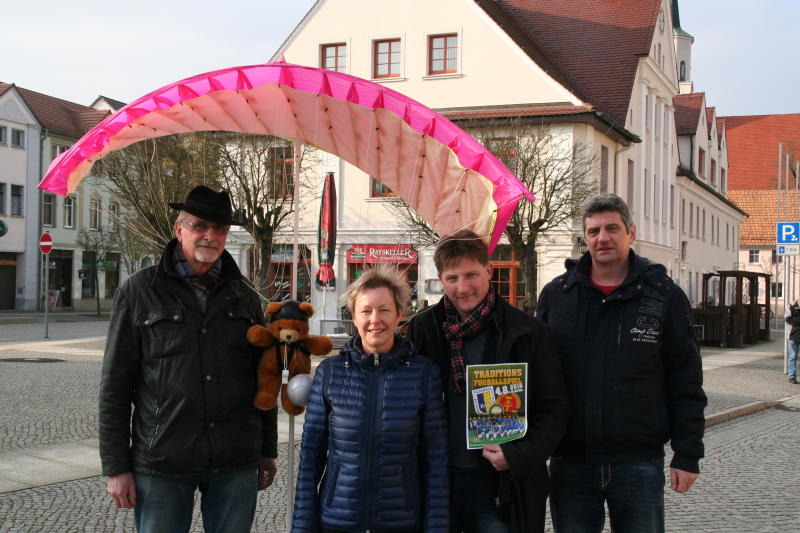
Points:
(46, 246)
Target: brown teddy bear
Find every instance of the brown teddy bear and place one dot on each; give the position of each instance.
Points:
(287, 352)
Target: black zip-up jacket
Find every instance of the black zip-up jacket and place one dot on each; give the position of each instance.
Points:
(632, 365)
(520, 338)
(189, 378)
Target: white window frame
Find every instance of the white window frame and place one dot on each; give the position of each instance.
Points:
(69, 212)
(3, 135)
(48, 210)
(113, 213)
(753, 257)
(21, 189)
(95, 216)
(21, 136)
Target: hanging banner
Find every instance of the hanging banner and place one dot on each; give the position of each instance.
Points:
(496, 403)
(382, 253)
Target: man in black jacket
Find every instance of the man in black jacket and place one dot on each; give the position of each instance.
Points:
(177, 354)
(503, 487)
(634, 376)
(793, 319)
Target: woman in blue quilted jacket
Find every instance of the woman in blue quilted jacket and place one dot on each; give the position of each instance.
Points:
(374, 451)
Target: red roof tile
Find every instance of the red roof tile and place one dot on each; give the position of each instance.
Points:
(59, 115)
(528, 111)
(687, 112)
(592, 47)
(758, 229)
(753, 149)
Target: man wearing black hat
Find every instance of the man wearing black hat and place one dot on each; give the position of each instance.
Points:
(177, 354)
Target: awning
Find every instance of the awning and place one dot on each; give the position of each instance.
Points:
(382, 253)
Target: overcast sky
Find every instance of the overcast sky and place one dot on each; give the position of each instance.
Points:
(744, 56)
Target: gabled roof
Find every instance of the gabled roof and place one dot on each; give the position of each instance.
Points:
(753, 149)
(759, 228)
(116, 105)
(592, 47)
(687, 112)
(60, 116)
(709, 119)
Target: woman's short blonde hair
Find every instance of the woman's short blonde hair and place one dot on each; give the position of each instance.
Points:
(380, 275)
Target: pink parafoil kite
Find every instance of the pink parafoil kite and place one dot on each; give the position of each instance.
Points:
(446, 176)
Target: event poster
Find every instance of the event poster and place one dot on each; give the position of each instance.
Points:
(496, 403)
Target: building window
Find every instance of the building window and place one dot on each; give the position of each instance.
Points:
(713, 173)
(630, 185)
(94, 214)
(113, 212)
(17, 138)
(281, 161)
(647, 112)
(603, 169)
(16, 200)
(3, 135)
(776, 259)
(379, 190)
(682, 71)
(712, 230)
(646, 194)
(722, 180)
(727, 236)
(656, 203)
(334, 57)
(704, 224)
(672, 205)
(506, 276)
(691, 219)
(69, 212)
(777, 290)
(683, 215)
(280, 273)
(48, 209)
(2, 198)
(752, 257)
(701, 162)
(57, 149)
(443, 54)
(386, 59)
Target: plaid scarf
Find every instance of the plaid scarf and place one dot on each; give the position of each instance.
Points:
(201, 285)
(455, 331)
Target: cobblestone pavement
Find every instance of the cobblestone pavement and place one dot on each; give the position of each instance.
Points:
(749, 480)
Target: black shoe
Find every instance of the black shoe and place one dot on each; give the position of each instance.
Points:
(792, 380)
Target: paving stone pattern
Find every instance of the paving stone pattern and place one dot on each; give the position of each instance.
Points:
(47, 403)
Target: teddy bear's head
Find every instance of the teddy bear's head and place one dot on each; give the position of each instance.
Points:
(288, 321)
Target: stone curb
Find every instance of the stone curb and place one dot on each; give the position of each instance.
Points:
(746, 409)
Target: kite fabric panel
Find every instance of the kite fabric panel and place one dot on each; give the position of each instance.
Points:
(450, 179)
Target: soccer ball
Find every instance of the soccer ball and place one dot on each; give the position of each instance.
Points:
(299, 388)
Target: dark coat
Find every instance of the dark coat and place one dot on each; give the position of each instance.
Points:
(794, 320)
(374, 452)
(632, 366)
(520, 339)
(190, 378)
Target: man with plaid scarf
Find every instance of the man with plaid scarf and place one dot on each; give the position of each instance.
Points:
(502, 488)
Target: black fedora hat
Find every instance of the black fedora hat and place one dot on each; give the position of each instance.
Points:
(209, 205)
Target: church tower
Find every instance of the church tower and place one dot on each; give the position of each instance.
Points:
(683, 52)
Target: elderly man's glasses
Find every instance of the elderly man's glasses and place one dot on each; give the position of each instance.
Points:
(202, 226)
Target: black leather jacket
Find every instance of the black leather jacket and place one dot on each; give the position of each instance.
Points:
(190, 378)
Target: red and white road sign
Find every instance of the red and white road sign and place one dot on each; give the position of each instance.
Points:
(46, 243)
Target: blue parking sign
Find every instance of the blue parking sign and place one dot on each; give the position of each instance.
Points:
(788, 233)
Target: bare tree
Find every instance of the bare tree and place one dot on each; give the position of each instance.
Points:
(98, 245)
(556, 169)
(259, 172)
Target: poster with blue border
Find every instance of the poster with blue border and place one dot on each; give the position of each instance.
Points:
(496, 403)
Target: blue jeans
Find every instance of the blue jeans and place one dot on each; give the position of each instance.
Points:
(634, 492)
(228, 502)
(793, 346)
(472, 502)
